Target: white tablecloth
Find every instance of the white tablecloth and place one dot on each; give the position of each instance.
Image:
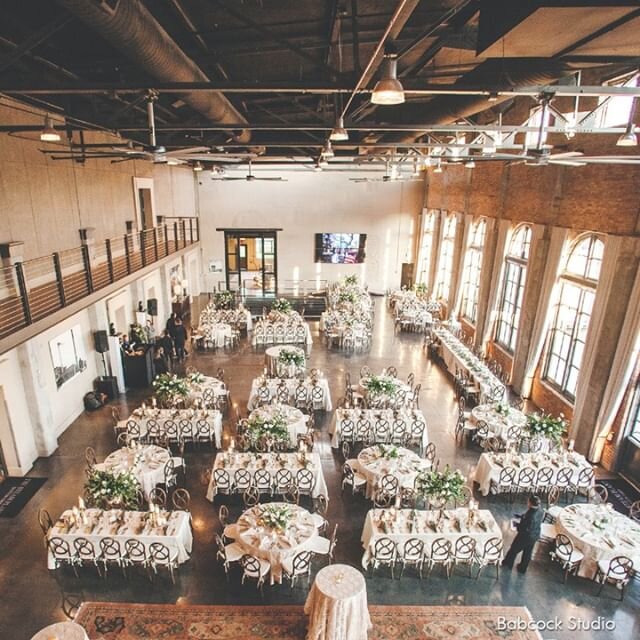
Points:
(197, 391)
(498, 423)
(231, 462)
(337, 605)
(146, 463)
(601, 534)
(177, 535)
(398, 526)
(274, 368)
(62, 631)
(456, 355)
(405, 417)
(275, 546)
(491, 464)
(291, 385)
(373, 465)
(212, 416)
(215, 332)
(378, 400)
(296, 420)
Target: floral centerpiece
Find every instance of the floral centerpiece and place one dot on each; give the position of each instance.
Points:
(442, 486)
(502, 409)
(420, 289)
(381, 385)
(547, 426)
(105, 489)
(273, 428)
(281, 305)
(223, 300)
(275, 516)
(351, 280)
(388, 451)
(138, 334)
(195, 378)
(348, 295)
(290, 357)
(169, 388)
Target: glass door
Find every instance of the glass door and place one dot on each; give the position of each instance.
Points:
(251, 263)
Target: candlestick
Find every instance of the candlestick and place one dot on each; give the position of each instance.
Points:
(571, 445)
(154, 402)
(81, 502)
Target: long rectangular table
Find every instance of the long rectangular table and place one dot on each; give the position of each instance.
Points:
(400, 528)
(291, 385)
(176, 535)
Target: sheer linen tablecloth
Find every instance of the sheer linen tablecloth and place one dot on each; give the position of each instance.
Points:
(62, 631)
(272, 545)
(337, 605)
(146, 463)
(371, 416)
(601, 534)
(215, 332)
(373, 464)
(491, 464)
(103, 524)
(212, 416)
(272, 462)
(296, 420)
(291, 385)
(400, 527)
(271, 356)
(498, 423)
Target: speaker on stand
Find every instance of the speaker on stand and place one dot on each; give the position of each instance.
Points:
(105, 384)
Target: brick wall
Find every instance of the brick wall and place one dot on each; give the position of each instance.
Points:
(546, 398)
(500, 356)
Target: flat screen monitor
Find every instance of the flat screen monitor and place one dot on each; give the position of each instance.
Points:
(340, 248)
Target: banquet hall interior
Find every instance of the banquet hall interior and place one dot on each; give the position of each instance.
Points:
(319, 319)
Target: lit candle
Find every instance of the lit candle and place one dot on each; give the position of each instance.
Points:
(232, 444)
(571, 445)
(154, 402)
(144, 406)
(81, 502)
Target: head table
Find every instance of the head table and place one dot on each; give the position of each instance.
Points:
(337, 605)
(600, 533)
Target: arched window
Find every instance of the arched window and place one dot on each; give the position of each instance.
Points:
(572, 314)
(515, 276)
(445, 262)
(471, 271)
(426, 247)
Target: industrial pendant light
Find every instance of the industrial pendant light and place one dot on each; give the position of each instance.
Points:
(48, 133)
(438, 168)
(327, 152)
(470, 164)
(322, 162)
(198, 166)
(388, 89)
(628, 138)
(338, 132)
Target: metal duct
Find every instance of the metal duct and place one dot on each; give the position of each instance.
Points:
(492, 73)
(130, 28)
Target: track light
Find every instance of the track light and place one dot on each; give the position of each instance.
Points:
(470, 164)
(339, 132)
(388, 89)
(322, 162)
(173, 162)
(198, 166)
(493, 97)
(327, 152)
(48, 133)
(426, 161)
(438, 168)
(628, 138)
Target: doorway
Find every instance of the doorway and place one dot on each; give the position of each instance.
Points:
(146, 208)
(251, 263)
(144, 203)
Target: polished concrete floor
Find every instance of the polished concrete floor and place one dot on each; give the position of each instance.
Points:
(32, 596)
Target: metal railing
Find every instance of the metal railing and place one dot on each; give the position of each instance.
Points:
(34, 289)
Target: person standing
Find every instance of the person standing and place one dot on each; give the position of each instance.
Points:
(528, 533)
(180, 339)
(166, 342)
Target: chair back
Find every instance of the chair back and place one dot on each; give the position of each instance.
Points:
(251, 496)
(384, 549)
(181, 499)
(135, 550)
(413, 549)
(84, 548)
(158, 496)
(440, 549)
(465, 548)
(242, 479)
(110, 549)
(159, 553)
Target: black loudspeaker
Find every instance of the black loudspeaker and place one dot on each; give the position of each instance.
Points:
(101, 341)
(108, 385)
(152, 306)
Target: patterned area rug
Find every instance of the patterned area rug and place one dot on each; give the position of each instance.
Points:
(117, 621)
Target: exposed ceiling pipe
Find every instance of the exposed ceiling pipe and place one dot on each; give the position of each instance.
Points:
(131, 29)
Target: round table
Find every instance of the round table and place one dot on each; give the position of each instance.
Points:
(273, 366)
(197, 390)
(62, 631)
(295, 419)
(381, 460)
(498, 423)
(600, 533)
(274, 545)
(216, 333)
(146, 463)
(337, 605)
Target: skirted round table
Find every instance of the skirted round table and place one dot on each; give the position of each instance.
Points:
(337, 605)
(62, 631)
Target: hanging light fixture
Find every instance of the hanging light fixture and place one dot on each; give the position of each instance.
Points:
(198, 166)
(470, 164)
(426, 161)
(628, 138)
(48, 133)
(322, 162)
(338, 132)
(438, 168)
(388, 89)
(173, 162)
(327, 152)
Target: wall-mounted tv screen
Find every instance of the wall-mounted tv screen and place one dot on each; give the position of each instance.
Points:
(340, 248)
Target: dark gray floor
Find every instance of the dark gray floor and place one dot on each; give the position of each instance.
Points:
(32, 596)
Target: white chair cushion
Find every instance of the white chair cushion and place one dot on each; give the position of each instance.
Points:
(318, 520)
(548, 531)
(319, 545)
(576, 556)
(233, 552)
(554, 511)
(359, 479)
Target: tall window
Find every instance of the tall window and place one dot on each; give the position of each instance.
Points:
(616, 110)
(426, 246)
(515, 276)
(445, 263)
(572, 314)
(471, 271)
(634, 416)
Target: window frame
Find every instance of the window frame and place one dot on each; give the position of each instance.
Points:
(428, 229)
(447, 244)
(473, 266)
(632, 424)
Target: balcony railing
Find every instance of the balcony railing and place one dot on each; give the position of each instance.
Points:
(34, 289)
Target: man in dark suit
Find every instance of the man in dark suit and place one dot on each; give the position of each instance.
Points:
(528, 533)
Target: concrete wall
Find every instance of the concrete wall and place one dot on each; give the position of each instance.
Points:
(310, 203)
